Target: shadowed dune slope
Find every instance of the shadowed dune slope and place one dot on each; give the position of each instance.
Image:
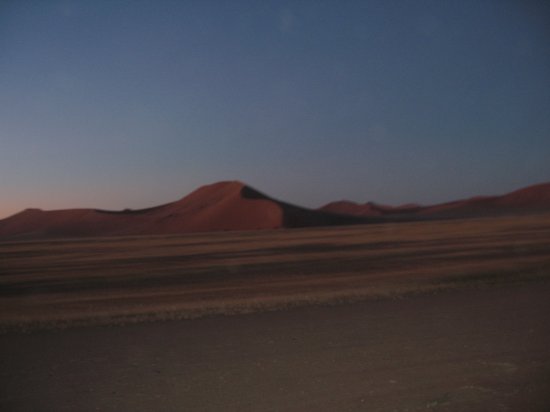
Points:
(216, 207)
(233, 205)
(368, 209)
(351, 208)
(534, 198)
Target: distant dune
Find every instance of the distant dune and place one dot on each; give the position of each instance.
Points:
(368, 209)
(216, 207)
(236, 206)
(534, 198)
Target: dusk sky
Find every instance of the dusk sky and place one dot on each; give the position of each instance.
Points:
(130, 104)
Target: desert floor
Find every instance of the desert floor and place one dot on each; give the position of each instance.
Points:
(444, 316)
(126, 279)
(468, 350)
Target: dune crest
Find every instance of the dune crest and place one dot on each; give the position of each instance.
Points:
(228, 205)
(534, 198)
(232, 205)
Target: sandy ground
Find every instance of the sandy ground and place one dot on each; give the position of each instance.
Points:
(121, 279)
(483, 349)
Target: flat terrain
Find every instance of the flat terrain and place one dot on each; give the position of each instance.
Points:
(122, 279)
(466, 350)
(447, 316)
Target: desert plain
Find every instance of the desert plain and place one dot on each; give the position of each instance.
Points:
(446, 315)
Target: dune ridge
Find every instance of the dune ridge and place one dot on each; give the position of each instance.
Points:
(535, 198)
(227, 205)
(233, 205)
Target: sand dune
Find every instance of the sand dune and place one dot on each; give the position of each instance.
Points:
(530, 199)
(220, 206)
(232, 205)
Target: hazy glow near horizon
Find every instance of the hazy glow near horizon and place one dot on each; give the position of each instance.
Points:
(115, 104)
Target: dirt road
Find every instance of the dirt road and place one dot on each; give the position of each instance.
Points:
(468, 350)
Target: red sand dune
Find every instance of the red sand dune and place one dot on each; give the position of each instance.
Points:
(220, 206)
(235, 206)
(530, 199)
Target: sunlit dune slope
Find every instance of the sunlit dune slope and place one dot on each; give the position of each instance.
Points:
(220, 206)
(232, 205)
(534, 198)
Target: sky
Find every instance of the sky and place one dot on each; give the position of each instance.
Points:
(130, 104)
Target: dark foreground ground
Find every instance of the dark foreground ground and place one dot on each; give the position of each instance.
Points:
(485, 349)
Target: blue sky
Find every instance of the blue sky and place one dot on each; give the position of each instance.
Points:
(115, 104)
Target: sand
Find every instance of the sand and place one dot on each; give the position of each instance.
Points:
(222, 206)
(118, 279)
(535, 198)
(467, 350)
(447, 316)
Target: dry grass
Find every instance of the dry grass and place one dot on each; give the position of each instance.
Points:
(125, 279)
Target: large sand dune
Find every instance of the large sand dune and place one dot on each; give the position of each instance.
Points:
(217, 207)
(232, 205)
